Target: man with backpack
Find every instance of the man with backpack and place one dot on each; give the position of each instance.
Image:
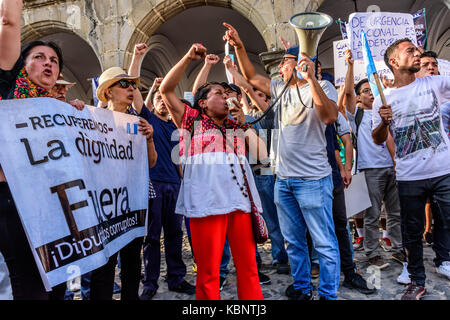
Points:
(376, 161)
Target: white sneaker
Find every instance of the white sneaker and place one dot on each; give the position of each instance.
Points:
(444, 269)
(404, 278)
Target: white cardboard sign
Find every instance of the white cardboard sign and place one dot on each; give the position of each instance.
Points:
(381, 29)
(79, 180)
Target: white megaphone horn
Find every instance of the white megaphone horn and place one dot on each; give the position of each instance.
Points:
(309, 27)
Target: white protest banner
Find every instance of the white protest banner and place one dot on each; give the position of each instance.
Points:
(79, 180)
(381, 28)
(357, 195)
(340, 65)
(444, 67)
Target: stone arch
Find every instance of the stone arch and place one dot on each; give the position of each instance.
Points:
(41, 29)
(170, 8)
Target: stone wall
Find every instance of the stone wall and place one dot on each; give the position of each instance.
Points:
(112, 28)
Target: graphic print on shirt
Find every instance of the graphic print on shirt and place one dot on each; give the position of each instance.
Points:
(422, 130)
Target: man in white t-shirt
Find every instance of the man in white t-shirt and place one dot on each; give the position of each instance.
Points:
(377, 164)
(303, 188)
(429, 66)
(412, 116)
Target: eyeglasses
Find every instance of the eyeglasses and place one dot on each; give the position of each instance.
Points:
(124, 84)
(366, 91)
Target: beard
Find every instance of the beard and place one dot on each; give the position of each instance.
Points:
(414, 69)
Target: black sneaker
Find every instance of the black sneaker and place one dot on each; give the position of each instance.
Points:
(147, 294)
(357, 282)
(414, 292)
(294, 294)
(263, 279)
(283, 268)
(223, 281)
(184, 287)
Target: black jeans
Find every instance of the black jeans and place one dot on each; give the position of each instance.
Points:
(340, 227)
(102, 279)
(162, 216)
(441, 236)
(26, 281)
(413, 196)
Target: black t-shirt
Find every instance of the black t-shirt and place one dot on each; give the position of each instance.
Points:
(8, 79)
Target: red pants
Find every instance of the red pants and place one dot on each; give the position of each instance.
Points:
(208, 239)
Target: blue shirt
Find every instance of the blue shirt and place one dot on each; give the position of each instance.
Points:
(332, 144)
(164, 170)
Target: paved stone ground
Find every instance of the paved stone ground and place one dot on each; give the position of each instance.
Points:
(438, 287)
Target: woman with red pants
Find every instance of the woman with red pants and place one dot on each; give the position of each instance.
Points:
(218, 185)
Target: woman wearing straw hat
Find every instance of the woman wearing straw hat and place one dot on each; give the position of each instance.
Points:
(120, 92)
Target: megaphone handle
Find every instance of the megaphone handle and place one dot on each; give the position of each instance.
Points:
(305, 67)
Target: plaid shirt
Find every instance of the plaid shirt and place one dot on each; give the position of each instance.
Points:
(151, 189)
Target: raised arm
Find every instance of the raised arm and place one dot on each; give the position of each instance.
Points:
(202, 77)
(248, 70)
(327, 109)
(171, 80)
(243, 83)
(10, 28)
(349, 91)
(155, 86)
(134, 71)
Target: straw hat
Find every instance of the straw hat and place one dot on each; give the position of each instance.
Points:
(108, 78)
(61, 81)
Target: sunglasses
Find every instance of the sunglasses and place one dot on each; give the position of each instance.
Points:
(124, 84)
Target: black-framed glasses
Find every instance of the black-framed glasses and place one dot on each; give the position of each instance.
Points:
(124, 84)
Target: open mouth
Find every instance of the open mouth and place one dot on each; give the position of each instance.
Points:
(48, 72)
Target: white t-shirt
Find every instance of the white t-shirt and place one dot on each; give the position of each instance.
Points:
(370, 155)
(422, 146)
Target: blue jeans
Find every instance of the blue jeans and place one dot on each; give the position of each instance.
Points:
(307, 205)
(226, 257)
(265, 185)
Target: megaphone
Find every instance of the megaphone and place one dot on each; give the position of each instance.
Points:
(309, 27)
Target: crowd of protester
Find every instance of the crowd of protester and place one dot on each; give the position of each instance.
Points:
(292, 166)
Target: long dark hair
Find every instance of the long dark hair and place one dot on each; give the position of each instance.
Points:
(26, 48)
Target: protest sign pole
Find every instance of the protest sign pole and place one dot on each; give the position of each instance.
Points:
(380, 88)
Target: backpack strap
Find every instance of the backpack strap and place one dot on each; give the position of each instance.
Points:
(358, 119)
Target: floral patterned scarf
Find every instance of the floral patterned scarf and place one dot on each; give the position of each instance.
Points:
(25, 88)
